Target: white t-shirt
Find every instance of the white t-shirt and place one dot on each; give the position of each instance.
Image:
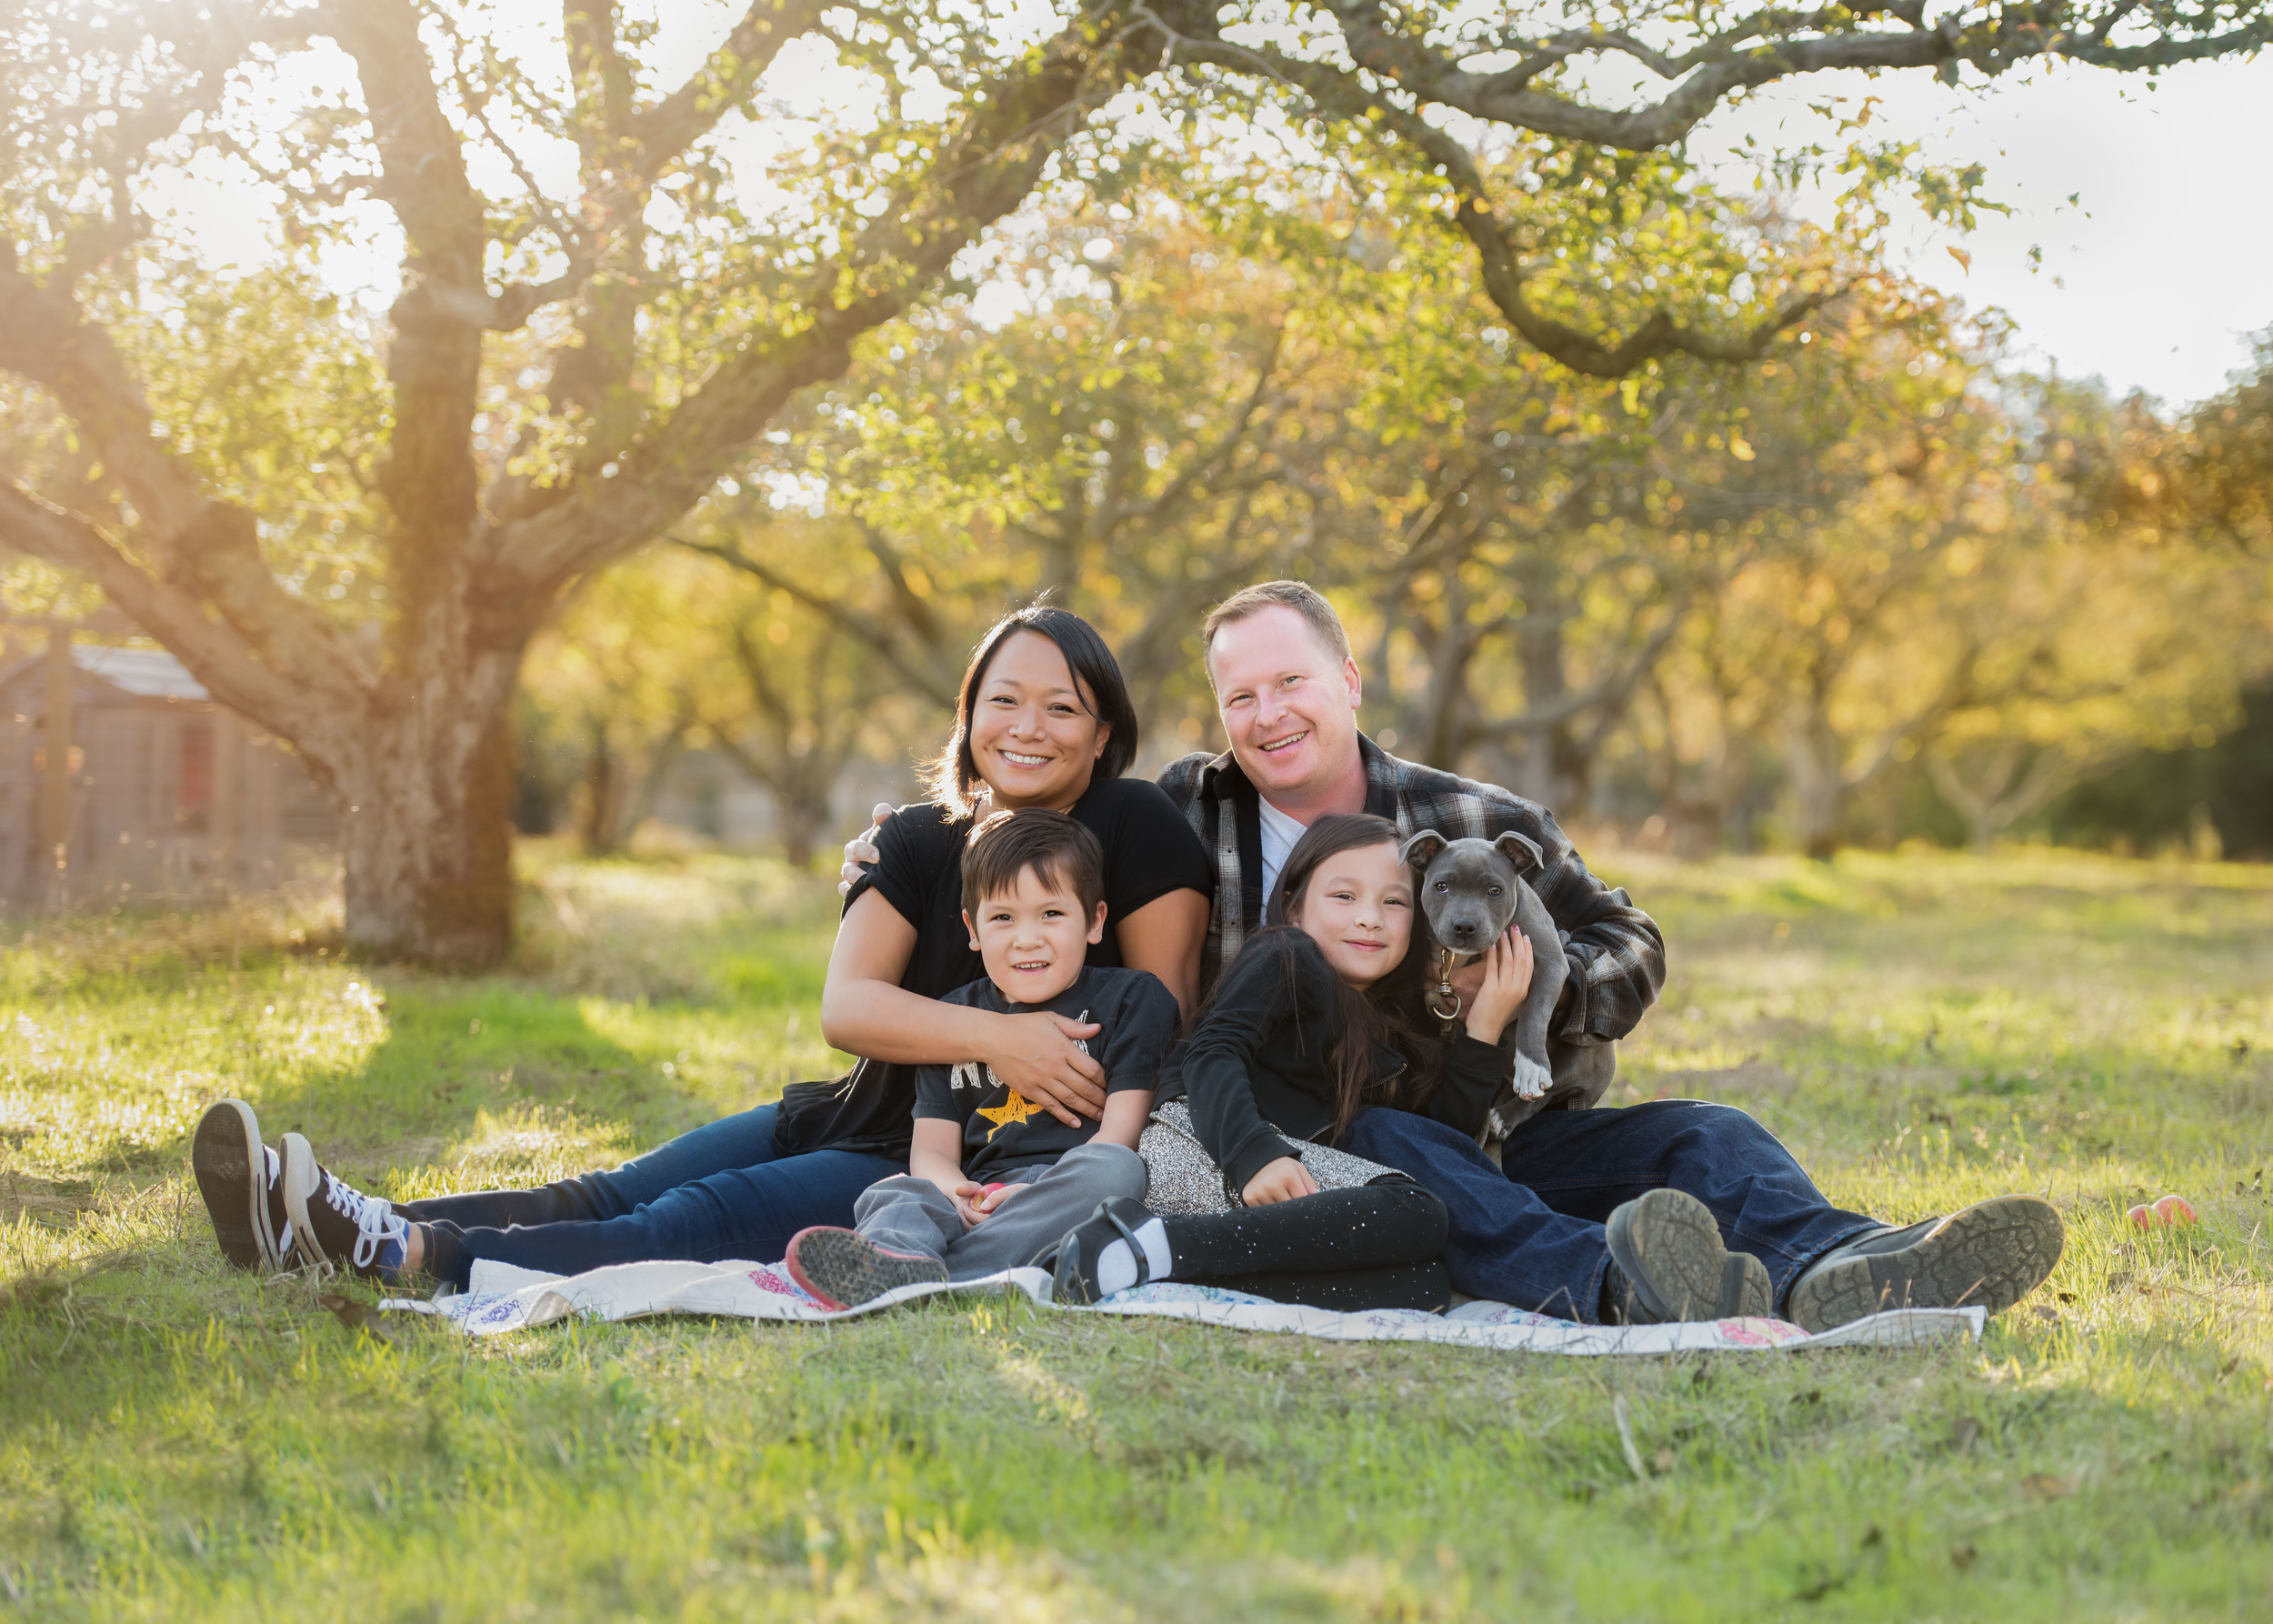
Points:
(1279, 834)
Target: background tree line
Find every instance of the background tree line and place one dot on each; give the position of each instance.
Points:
(1885, 586)
(627, 253)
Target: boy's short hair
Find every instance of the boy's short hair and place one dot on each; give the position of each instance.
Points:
(1303, 598)
(1058, 849)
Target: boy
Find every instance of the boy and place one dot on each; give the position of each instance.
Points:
(994, 1180)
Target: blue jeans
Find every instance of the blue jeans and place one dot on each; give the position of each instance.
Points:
(1529, 1232)
(719, 1191)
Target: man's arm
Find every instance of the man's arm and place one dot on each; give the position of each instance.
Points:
(1616, 953)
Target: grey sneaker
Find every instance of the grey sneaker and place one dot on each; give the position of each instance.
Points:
(1667, 1249)
(234, 1176)
(844, 1269)
(1993, 1253)
(336, 1226)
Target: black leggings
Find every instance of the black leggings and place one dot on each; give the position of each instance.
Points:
(1377, 1246)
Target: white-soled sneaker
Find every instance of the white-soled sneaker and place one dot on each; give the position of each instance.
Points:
(236, 1176)
(336, 1226)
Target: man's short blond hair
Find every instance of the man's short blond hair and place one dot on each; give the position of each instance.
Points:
(1303, 598)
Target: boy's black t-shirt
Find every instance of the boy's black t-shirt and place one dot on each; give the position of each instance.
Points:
(1002, 1131)
(1149, 851)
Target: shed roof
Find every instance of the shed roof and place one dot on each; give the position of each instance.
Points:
(146, 673)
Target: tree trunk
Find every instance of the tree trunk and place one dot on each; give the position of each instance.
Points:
(597, 817)
(1557, 772)
(801, 819)
(1819, 784)
(427, 845)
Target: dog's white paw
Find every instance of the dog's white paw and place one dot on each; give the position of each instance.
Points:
(1532, 1079)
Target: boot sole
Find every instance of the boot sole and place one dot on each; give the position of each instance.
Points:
(1993, 1254)
(1745, 1290)
(1670, 1250)
(842, 1270)
(229, 1165)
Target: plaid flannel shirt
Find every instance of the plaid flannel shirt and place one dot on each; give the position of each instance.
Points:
(1617, 954)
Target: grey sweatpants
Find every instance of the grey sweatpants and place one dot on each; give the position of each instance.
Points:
(914, 1215)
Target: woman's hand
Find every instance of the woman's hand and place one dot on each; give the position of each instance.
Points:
(1040, 1056)
(1286, 1180)
(1507, 979)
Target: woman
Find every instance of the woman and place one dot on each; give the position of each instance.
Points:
(1043, 719)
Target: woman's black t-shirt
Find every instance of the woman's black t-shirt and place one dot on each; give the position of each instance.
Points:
(1149, 851)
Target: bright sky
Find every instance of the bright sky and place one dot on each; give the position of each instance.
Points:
(2153, 280)
(2158, 275)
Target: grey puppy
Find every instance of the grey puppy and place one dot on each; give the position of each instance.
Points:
(1470, 890)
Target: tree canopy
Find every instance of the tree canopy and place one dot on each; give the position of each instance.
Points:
(626, 239)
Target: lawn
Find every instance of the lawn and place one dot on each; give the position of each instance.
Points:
(180, 1441)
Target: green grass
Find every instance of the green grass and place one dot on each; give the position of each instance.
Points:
(179, 1441)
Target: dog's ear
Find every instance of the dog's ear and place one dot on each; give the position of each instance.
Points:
(1422, 848)
(1522, 851)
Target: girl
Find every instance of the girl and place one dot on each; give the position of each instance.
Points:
(1317, 1020)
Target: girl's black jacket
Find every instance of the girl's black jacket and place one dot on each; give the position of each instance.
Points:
(1255, 1066)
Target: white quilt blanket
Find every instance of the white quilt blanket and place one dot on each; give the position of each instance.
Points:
(506, 1298)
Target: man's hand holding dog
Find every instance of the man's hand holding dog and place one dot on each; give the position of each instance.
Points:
(1500, 979)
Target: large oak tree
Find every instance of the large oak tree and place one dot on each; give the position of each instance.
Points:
(615, 272)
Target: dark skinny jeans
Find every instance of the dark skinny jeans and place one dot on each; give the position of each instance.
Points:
(719, 1191)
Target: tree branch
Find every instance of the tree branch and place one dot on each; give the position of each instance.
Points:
(276, 699)
(987, 169)
(191, 542)
(928, 682)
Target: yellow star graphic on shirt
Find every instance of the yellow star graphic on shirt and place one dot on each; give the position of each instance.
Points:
(1010, 1112)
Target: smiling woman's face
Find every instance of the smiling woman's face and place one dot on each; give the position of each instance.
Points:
(1035, 737)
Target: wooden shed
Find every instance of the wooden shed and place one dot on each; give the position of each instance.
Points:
(156, 791)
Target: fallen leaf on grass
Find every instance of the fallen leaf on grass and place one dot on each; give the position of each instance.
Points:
(356, 1316)
(2044, 1486)
(1663, 1460)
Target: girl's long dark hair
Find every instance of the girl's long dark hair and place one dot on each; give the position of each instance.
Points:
(1387, 1012)
(950, 775)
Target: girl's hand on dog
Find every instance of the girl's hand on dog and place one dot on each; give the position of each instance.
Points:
(1286, 1180)
(1506, 967)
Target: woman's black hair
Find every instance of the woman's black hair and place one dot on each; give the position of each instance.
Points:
(1098, 679)
(1388, 1012)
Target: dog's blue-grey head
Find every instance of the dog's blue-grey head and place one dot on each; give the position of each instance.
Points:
(1468, 888)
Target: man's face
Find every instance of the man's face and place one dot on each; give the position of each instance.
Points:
(1033, 940)
(1288, 704)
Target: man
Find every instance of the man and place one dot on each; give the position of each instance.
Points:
(1531, 1230)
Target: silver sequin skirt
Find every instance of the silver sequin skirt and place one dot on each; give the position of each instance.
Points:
(1186, 1180)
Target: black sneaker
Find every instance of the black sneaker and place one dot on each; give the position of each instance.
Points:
(234, 1174)
(843, 1269)
(1073, 1262)
(1671, 1265)
(1993, 1253)
(336, 1226)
